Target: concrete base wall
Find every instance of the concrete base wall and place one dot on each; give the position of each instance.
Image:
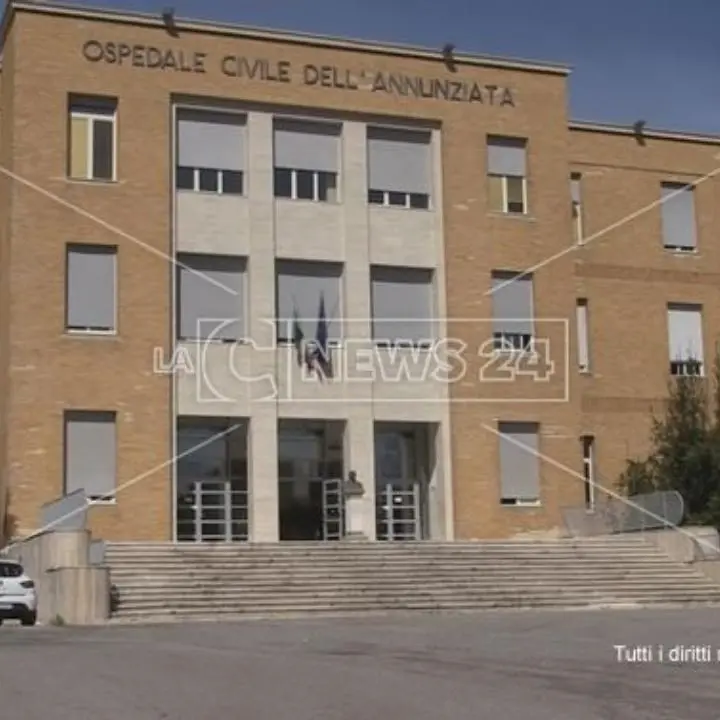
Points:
(78, 595)
(687, 544)
(67, 585)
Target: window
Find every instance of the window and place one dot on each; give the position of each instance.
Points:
(308, 295)
(91, 151)
(11, 570)
(402, 305)
(588, 447)
(211, 297)
(583, 343)
(306, 157)
(90, 292)
(577, 213)
(210, 152)
(685, 339)
(512, 299)
(507, 182)
(90, 452)
(519, 463)
(399, 168)
(678, 217)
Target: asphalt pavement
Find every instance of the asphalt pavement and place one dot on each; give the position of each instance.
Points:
(506, 665)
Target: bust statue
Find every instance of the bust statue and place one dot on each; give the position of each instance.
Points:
(352, 486)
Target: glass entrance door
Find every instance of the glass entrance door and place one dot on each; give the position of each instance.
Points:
(212, 488)
(215, 513)
(397, 489)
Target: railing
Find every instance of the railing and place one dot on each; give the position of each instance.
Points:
(214, 512)
(611, 515)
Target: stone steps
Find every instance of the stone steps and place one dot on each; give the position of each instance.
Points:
(312, 603)
(177, 581)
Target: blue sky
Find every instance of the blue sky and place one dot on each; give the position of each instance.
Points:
(651, 59)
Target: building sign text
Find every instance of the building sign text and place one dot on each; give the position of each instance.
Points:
(282, 71)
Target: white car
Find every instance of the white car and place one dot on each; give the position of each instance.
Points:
(18, 596)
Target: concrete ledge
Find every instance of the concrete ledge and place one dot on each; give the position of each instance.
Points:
(78, 595)
(687, 544)
(709, 568)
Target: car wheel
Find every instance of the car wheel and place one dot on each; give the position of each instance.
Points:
(1, 622)
(28, 620)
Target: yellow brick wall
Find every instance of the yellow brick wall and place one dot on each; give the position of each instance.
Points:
(51, 372)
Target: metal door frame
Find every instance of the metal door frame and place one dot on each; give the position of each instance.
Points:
(398, 529)
(406, 487)
(333, 509)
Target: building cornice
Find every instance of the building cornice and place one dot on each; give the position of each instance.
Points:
(254, 33)
(651, 134)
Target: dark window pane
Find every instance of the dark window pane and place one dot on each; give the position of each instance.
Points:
(420, 202)
(209, 180)
(283, 183)
(327, 187)
(376, 197)
(305, 185)
(516, 201)
(232, 182)
(103, 149)
(185, 178)
(396, 198)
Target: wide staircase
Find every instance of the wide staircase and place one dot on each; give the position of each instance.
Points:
(186, 581)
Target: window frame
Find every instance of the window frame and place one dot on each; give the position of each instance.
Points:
(504, 186)
(503, 342)
(405, 343)
(432, 140)
(280, 338)
(505, 428)
(676, 188)
(316, 185)
(577, 210)
(91, 118)
(184, 261)
(582, 309)
(684, 365)
(220, 176)
(407, 198)
(101, 332)
(188, 107)
(112, 416)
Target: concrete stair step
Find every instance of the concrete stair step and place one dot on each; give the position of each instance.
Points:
(619, 539)
(310, 575)
(356, 549)
(317, 610)
(450, 561)
(500, 599)
(259, 597)
(248, 574)
(397, 553)
(410, 588)
(170, 592)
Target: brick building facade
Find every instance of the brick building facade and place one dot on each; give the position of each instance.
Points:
(502, 294)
